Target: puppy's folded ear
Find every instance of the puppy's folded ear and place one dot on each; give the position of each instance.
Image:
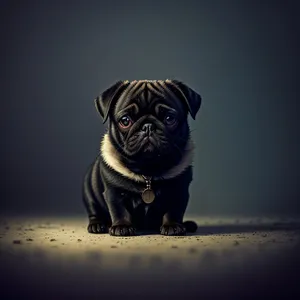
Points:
(105, 101)
(189, 96)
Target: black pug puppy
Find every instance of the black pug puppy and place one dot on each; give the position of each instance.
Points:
(140, 179)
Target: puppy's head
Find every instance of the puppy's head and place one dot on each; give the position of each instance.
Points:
(148, 122)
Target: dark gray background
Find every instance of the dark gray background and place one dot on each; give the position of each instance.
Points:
(241, 56)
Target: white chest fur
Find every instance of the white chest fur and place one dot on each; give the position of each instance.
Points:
(112, 159)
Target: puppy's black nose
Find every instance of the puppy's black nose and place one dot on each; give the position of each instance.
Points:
(148, 128)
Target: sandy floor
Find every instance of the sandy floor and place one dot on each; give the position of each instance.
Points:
(55, 258)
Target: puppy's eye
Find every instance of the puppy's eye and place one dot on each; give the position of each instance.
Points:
(125, 122)
(170, 119)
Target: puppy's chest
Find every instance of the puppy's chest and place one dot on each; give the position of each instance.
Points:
(136, 193)
(136, 205)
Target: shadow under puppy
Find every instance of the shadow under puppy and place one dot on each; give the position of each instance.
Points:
(140, 179)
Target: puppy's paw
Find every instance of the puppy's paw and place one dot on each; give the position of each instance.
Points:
(172, 229)
(97, 227)
(122, 230)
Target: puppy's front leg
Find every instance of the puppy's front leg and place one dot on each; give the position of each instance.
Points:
(173, 218)
(121, 218)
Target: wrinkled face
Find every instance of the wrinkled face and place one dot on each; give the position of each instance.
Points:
(149, 126)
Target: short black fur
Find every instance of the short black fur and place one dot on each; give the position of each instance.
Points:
(112, 199)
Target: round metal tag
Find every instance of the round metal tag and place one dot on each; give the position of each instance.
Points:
(148, 196)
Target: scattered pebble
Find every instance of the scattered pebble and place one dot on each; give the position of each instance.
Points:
(174, 246)
(79, 240)
(52, 240)
(29, 240)
(113, 246)
(17, 242)
(236, 243)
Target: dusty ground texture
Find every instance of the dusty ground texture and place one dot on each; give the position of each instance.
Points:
(55, 258)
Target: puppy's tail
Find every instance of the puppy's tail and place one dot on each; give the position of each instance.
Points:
(190, 226)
